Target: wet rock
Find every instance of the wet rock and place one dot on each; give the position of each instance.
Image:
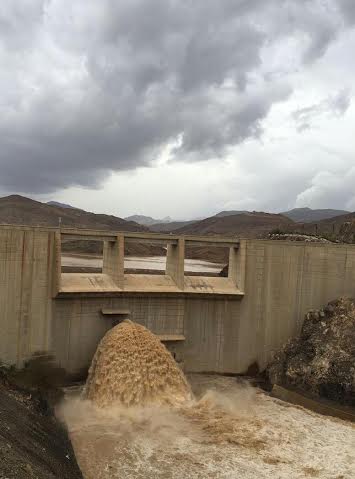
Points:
(321, 361)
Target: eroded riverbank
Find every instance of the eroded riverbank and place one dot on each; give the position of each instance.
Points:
(33, 444)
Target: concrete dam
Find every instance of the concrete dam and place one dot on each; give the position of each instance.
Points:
(210, 324)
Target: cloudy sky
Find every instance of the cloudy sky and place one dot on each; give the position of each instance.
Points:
(178, 107)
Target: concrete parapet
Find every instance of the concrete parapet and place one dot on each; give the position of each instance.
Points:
(113, 260)
(55, 252)
(175, 262)
(237, 264)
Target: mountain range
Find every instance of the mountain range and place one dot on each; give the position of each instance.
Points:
(147, 220)
(307, 215)
(298, 215)
(334, 224)
(16, 209)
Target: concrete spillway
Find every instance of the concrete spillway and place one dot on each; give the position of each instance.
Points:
(132, 367)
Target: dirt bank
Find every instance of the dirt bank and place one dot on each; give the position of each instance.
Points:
(32, 442)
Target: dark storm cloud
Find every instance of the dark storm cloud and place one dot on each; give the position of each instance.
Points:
(348, 10)
(94, 87)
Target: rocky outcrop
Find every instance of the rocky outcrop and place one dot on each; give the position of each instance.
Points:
(321, 361)
(297, 237)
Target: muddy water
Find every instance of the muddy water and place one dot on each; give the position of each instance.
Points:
(157, 263)
(228, 430)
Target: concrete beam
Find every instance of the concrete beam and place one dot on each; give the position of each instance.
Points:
(113, 260)
(155, 241)
(98, 238)
(237, 265)
(221, 243)
(104, 235)
(175, 262)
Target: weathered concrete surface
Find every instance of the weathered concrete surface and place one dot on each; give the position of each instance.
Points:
(145, 283)
(228, 323)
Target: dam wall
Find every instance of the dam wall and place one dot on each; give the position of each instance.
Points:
(210, 324)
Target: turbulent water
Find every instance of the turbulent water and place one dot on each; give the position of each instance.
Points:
(132, 367)
(139, 420)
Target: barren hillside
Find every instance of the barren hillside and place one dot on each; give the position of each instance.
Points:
(16, 209)
(244, 225)
(250, 225)
(308, 215)
(170, 227)
(339, 229)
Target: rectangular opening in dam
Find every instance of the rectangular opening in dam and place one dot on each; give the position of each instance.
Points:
(206, 260)
(145, 258)
(81, 256)
(89, 262)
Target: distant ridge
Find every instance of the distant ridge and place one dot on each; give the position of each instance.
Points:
(339, 228)
(308, 215)
(231, 213)
(299, 215)
(57, 203)
(19, 210)
(147, 220)
(243, 224)
(170, 227)
(16, 209)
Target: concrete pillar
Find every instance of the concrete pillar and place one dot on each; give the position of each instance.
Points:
(113, 260)
(175, 262)
(237, 265)
(56, 254)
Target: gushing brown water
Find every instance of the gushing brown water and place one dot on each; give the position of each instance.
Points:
(139, 424)
(132, 367)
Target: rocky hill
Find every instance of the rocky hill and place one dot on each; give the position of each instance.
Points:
(321, 360)
(18, 210)
(232, 212)
(57, 203)
(308, 215)
(170, 227)
(298, 215)
(147, 220)
(339, 229)
(247, 225)
(244, 225)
